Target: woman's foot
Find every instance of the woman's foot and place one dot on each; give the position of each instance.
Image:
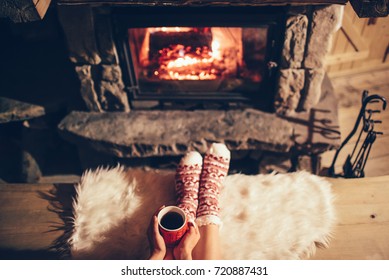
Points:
(187, 183)
(215, 168)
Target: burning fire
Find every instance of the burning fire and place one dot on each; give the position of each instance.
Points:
(179, 62)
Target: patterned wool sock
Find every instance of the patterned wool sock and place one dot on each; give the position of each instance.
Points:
(215, 168)
(187, 183)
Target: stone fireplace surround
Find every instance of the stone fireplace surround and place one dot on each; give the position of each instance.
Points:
(303, 124)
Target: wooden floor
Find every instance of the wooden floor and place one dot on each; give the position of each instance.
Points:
(36, 220)
(349, 89)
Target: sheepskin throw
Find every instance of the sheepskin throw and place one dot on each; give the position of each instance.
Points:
(276, 216)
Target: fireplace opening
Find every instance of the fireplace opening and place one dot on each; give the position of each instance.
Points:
(199, 56)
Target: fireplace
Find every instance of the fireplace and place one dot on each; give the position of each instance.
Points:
(160, 78)
(227, 59)
(142, 55)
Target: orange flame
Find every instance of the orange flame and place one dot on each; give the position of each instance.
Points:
(182, 63)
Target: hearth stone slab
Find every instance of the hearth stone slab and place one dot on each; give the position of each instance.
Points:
(14, 110)
(169, 133)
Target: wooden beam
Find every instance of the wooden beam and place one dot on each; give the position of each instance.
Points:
(203, 2)
(24, 10)
(346, 57)
(352, 34)
(361, 48)
(42, 6)
(371, 65)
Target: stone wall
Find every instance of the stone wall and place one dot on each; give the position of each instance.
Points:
(93, 52)
(308, 34)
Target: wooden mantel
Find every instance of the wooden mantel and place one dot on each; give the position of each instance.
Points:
(175, 3)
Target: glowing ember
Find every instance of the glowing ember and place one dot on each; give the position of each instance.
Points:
(173, 59)
(189, 53)
(179, 62)
(169, 29)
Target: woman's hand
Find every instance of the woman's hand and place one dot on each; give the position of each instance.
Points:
(183, 251)
(157, 244)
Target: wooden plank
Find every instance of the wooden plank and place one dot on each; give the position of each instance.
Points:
(358, 235)
(352, 34)
(339, 56)
(28, 215)
(374, 36)
(350, 48)
(377, 166)
(357, 242)
(334, 43)
(25, 217)
(346, 56)
(330, 67)
(364, 190)
(358, 23)
(363, 22)
(380, 40)
(360, 81)
(341, 44)
(42, 6)
(367, 66)
(367, 214)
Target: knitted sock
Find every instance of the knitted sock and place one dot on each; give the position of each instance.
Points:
(215, 168)
(187, 183)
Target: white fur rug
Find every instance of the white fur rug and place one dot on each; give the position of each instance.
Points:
(283, 216)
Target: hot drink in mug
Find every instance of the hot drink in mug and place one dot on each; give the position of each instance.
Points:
(173, 224)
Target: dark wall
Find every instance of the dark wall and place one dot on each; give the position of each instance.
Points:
(34, 68)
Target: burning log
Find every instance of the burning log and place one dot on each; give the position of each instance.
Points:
(161, 40)
(186, 53)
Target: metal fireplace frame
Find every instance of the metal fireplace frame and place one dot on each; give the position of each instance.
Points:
(271, 17)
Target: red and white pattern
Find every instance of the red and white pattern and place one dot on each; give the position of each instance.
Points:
(187, 183)
(215, 168)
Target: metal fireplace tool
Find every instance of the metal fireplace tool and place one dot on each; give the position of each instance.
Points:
(356, 161)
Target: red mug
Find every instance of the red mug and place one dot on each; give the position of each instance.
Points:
(173, 224)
